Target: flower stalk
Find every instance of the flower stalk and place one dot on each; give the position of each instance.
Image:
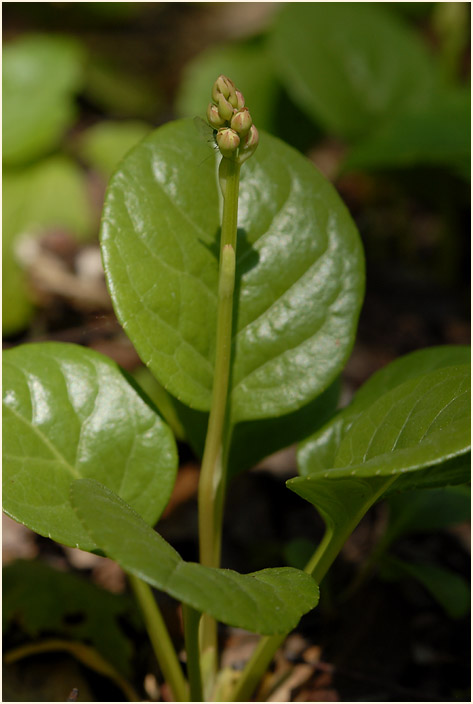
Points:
(227, 103)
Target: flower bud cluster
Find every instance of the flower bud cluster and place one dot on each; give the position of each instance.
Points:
(237, 137)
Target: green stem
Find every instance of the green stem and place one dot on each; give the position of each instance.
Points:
(213, 471)
(191, 634)
(332, 542)
(160, 639)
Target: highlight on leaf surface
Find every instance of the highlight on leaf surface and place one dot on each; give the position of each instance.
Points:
(415, 435)
(300, 272)
(69, 412)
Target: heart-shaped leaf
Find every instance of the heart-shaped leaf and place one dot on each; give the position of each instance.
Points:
(68, 413)
(350, 66)
(299, 272)
(417, 434)
(270, 601)
(319, 450)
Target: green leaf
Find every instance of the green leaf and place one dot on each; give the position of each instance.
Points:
(43, 600)
(103, 145)
(419, 424)
(50, 194)
(251, 441)
(69, 413)
(299, 272)
(270, 601)
(249, 66)
(319, 450)
(437, 134)
(448, 588)
(40, 76)
(350, 66)
(415, 435)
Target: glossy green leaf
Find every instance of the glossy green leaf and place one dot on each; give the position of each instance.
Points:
(50, 194)
(299, 272)
(269, 601)
(40, 600)
(69, 413)
(417, 434)
(103, 145)
(351, 66)
(40, 77)
(319, 450)
(438, 134)
(450, 589)
(250, 67)
(421, 423)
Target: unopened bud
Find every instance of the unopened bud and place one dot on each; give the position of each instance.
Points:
(222, 86)
(240, 100)
(213, 116)
(249, 145)
(228, 141)
(225, 110)
(241, 122)
(232, 99)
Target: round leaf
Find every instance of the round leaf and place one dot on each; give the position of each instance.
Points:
(299, 271)
(68, 413)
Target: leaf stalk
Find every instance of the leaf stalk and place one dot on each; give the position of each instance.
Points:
(160, 639)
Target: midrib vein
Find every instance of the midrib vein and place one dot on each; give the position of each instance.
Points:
(46, 442)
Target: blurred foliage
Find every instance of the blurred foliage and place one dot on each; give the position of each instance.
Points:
(41, 74)
(50, 194)
(386, 80)
(448, 588)
(423, 512)
(103, 145)
(44, 601)
(118, 92)
(351, 67)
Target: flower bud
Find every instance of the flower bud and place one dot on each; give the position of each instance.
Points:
(252, 139)
(222, 86)
(240, 100)
(228, 141)
(241, 122)
(225, 110)
(213, 116)
(249, 145)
